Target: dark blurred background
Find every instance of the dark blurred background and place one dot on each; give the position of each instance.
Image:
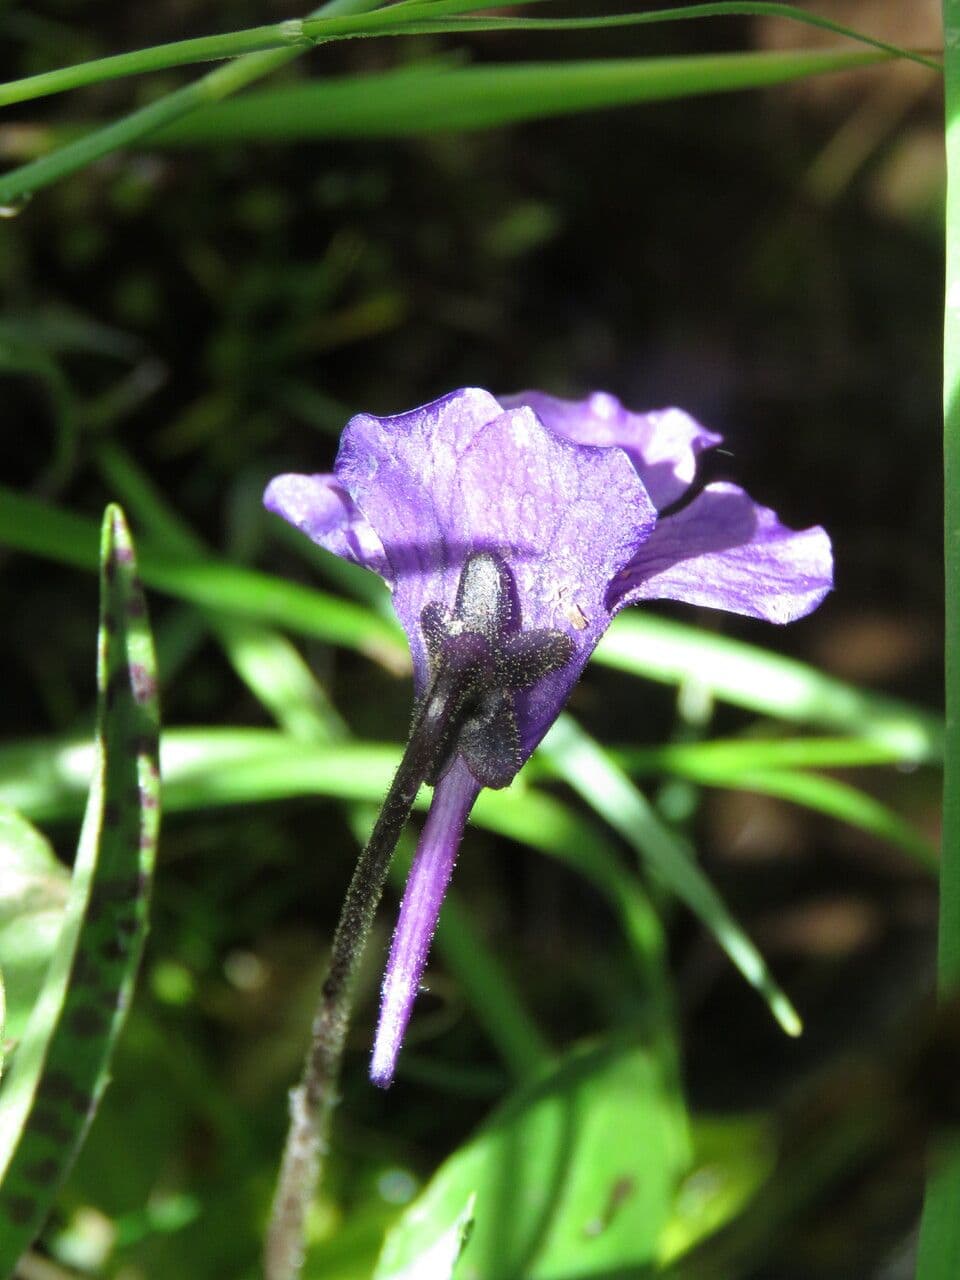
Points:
(770, 261)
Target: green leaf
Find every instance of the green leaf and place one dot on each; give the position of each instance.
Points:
(33, 894)
(608, 790)
(60, 1068)
(434, 99)
(573, 1177)
(733, 1156)
(438, 1261)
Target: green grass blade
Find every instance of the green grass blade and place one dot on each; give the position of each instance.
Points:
(724, 757)
(408, 101)
(772, 768)
(691, 12)
(426, 21)
(27, 524)
(60, 1068)
(939, 1252)
(824, 795)
(204, 767)
(764, 682)
(178, 53)
(838, 800)
(608, 790)
(207, 768)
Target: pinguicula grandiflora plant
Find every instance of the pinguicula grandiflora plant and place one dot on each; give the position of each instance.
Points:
(510, 531)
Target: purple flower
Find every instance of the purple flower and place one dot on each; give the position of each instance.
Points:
(530, 521)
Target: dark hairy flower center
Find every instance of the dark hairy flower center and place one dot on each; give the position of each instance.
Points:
(479, 654)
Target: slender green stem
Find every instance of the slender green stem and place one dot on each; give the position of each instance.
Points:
(406, 17)
(940, 1231)
(232, 44)
(949, 963)
(312, 1102)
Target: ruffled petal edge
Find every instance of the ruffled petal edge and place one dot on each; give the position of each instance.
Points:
(724, 551)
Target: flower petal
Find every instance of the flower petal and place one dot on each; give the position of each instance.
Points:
(662, 444)
(321, 508)
(727, 552)
(460, 475)
(419, 911)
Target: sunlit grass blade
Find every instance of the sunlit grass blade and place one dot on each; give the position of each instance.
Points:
(691, 12)
(724, 757)
(837, 800)
(230, 766)
(207, 768)
(765, 682)
(27, 524)
(60, 1068)
(939, 1250)
(828, 796)
(178, 53)
(403, 102)
(609, 791)
(774, 768)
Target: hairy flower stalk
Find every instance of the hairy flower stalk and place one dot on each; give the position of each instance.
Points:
(478, 657)
(510, 531)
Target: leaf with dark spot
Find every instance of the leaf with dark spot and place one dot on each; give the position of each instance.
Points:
(61, 1065)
